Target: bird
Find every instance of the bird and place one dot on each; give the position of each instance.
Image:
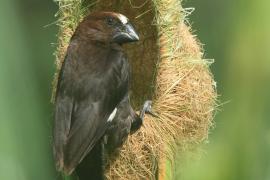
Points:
(92, 104)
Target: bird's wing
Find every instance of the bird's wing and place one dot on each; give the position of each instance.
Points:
(88, 124)
(81, 115)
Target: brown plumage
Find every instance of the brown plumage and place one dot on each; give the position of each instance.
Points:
(92, 95)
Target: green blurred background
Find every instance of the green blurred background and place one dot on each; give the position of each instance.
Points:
(236, 33)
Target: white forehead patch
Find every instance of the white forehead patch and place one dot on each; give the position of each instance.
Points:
(122, 18)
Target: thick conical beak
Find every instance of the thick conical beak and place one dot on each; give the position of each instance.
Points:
(127, 34)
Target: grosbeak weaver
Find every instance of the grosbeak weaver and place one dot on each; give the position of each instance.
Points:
(92, 100)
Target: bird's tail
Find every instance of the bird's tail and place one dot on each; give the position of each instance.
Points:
(92, 166)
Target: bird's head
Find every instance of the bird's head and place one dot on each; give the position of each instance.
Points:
(107, 27)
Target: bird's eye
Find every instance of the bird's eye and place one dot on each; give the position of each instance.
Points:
(110, 21)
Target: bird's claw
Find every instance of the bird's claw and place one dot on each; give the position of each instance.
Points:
(147, 108)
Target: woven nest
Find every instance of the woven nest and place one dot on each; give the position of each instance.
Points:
(167, 67)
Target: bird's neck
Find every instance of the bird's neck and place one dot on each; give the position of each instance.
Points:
(96, 43)
(106, 45)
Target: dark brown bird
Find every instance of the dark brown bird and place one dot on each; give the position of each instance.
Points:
(92, 100)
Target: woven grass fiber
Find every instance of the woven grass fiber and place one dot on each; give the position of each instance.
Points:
(167, 67)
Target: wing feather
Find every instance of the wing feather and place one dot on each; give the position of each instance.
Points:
(61, 127)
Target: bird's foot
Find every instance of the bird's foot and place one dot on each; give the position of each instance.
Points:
(147, 109)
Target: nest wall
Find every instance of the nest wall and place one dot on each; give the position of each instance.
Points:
(167, 67)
